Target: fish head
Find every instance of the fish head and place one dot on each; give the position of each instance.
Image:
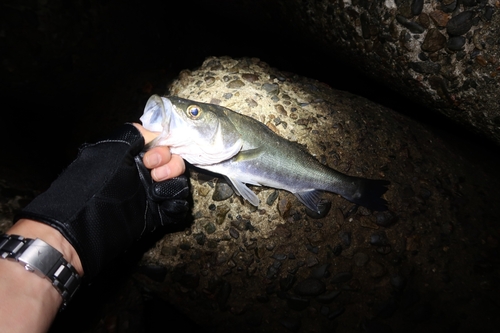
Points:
(200, 133)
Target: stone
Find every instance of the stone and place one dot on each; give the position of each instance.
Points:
(310, 287)
(460, 24)
(434, 41)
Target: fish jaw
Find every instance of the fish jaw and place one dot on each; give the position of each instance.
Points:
(156, 116)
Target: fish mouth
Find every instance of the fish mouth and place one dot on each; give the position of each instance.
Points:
(157, 114)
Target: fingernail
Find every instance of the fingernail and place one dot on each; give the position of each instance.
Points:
(161, 173)
(152, 160)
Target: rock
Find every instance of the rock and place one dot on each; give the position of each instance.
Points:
(440, 18)
(441, 218)
(385, 219)
(297, 303)
(250, 77)
(411, 25)
(328, 297)
(336, 30)
(398, 282)
(210, 228)
(336, 250)
(222, 191)
(310, 287)
(379, 239)
(200, 238)
(324, 208)
(425, 67)
(341, 277)
(334, 314)
(272, 198)
(346, 238)
(234, 233)
(416, 7)
(460, 24)
(271, 88)
(384, 249)
(448, 6)
(235, 84)
(291, 323)
(434, 41)
(320, 272)
(360, 259)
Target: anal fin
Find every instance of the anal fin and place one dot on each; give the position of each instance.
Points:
(310, 198)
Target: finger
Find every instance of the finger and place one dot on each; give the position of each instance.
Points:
(175, 167)
(147, 135)
(156, 157)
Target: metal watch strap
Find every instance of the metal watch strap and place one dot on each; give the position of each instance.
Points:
(42, 259)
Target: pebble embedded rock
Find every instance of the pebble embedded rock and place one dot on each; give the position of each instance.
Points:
(385, 40)
(234, 259)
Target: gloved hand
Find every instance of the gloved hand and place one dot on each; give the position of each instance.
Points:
(106, 200)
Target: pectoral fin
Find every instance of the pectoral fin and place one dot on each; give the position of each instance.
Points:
(310, 198)
(241, 189)
(247, 155)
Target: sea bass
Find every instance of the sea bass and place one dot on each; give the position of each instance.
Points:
(245, 151)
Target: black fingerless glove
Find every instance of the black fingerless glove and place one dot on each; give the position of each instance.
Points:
(106, 200)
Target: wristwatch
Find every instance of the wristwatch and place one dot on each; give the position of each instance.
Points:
(45, 261)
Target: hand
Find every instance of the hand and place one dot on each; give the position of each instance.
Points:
(106, 199)
(29, 302)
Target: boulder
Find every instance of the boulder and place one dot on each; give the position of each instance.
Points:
(443, 55)
(239, 267)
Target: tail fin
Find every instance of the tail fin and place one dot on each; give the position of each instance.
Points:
(369, 194)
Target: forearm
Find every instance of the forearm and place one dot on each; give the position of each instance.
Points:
(29, 302)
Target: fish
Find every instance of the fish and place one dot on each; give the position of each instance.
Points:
(246, 152)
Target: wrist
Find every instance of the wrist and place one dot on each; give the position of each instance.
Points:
(33, 229)
(22, 294)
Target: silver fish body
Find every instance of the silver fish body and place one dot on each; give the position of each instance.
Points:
(253, 154)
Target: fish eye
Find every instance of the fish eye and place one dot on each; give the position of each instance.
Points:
(194, 111)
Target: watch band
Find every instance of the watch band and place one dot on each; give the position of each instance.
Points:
(45, 261)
